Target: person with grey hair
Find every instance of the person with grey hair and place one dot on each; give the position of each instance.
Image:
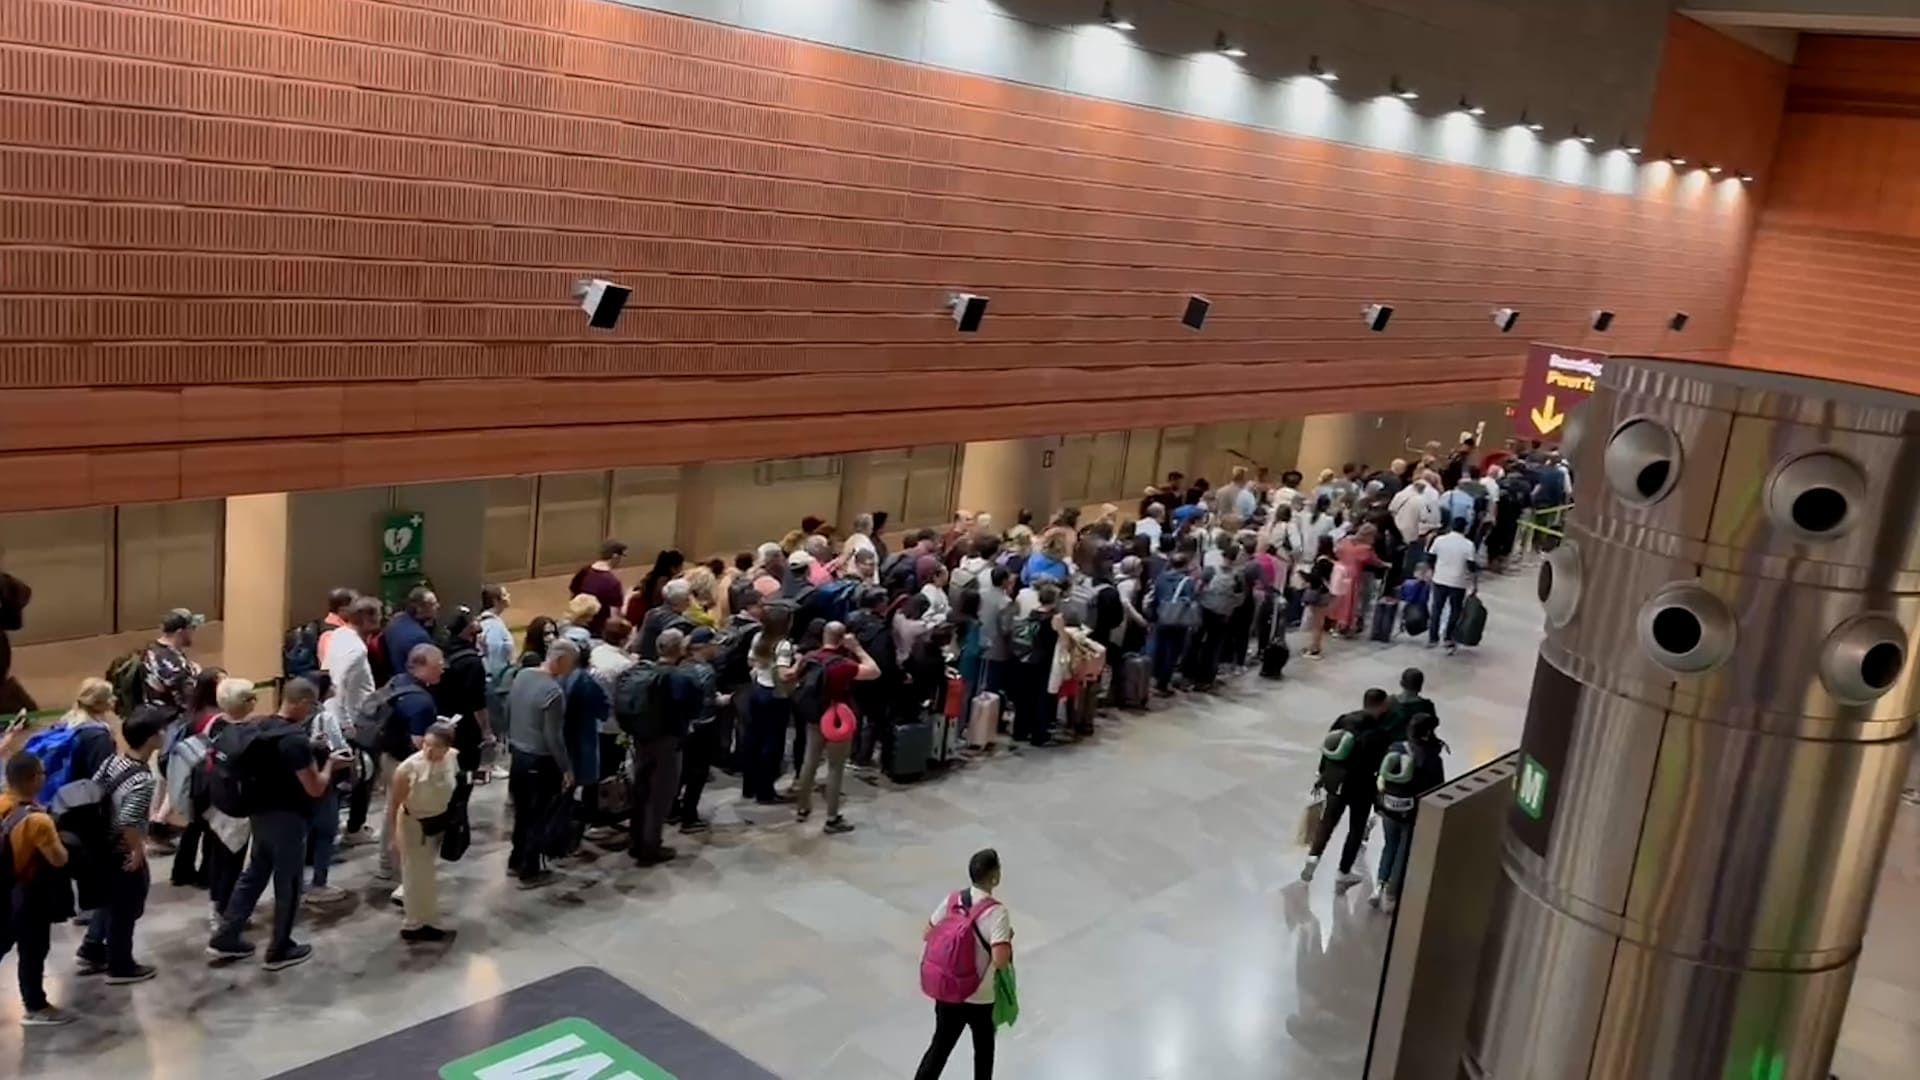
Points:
(424, 788)
(284, 773)
(675, 598)
(770, 571)
(656, 750)
(541, 772)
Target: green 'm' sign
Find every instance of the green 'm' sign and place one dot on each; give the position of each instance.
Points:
(570, 1049)
(403, 537)
(1530, 790)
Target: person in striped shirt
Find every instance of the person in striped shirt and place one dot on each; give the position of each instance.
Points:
(129, 781)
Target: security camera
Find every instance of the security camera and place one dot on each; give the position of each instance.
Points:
(1505, 318)
(1678, 322)
(1602, 319)
(1377, 316)
(1196, 314)
(969, 310)
(602, 300)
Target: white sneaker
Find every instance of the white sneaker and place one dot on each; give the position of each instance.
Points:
(1910, 796)
(1347, 879)
(1306, 872)
(357, 837)
(1389, 904)
(1374, 900)
(322, 895)
(399, 897)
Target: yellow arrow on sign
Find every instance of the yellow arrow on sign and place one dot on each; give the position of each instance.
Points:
(1545, 420)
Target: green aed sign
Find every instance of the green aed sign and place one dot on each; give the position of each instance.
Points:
(1530, 788)
(403, 536)
(570, 1049)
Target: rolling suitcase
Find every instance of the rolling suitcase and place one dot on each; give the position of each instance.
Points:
(1133, 682)
(983, 721)
(945, 735)
(1274, 660)
(1085, 704)
(912, 750)
(1383, 620)
(955, 699)
(1472, 622)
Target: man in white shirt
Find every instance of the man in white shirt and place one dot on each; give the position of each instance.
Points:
(1153, 525)
(993, 939)
(350, 679)
(1408, 506)
(1453, 569)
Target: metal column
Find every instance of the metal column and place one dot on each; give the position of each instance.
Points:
(1720, 720)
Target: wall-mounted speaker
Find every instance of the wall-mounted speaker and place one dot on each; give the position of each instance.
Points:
(602, 300)
(1196, 314)
(1377, 316)
(1678, 322)
(1506, 318)
(1602, 319)
(969, 311)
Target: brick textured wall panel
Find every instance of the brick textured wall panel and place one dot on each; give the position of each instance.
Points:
(364, 217)
(1831, 283)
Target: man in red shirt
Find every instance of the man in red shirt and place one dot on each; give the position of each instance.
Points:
(841, 662)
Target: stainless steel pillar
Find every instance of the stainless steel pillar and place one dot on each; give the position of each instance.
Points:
(1720, 720)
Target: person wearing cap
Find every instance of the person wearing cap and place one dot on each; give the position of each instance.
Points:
(702, 743)
(169, 670)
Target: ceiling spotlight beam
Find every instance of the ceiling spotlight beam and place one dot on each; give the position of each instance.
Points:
(1530, 123)
(1315, 69)
(1467, 106)
(1401, 90)
(1227, 48)
(1113, 20)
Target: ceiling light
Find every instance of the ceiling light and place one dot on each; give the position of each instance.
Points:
(1715, 169)
(1583, 136)
(1746, 178)
(1226, 48)
(1676, 159)
(1114, 22)
(1629, 148)
(1314, 69)
(1530, 125)
(1470, 108)
(1403, 93)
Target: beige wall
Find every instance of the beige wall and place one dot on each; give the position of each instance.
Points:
(1001, 476)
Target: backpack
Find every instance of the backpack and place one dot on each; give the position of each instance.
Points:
(950, 966)
(69, 754)
(1078, 600)
(809, 694)
(875, 634)
(84, 809)
(187, 775)
(1221, 594)
(898, 575)
(128, 677)
(48, 896)
(241, 755)
(1336, 749)
(834, 600)
(1025, 636)
(639, 699)
(734, 664)
(300, 650)
(378, 726)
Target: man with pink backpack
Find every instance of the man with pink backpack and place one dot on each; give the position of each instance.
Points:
(969, 938)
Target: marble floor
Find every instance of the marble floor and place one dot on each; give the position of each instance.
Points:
(1151, 873)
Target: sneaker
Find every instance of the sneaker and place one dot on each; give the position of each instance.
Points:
(655, 858)
(91, 962)
(1374, 900)
(1306, 872)
(296, 954)
(1312, 654)
(837, 826)
(426, 935)
(673, 817)
(398, 897)
(1431, 643)
(323, 895)
(383, 873)
(599, 833)
(230, 950)
(47, 1017)
(1347, 879)
(802, 815)
(695, 825)
(536, 879)
(1452, 648)
(138, 973)
(501, 772)
(357, 837)
(1910, 796)
(1389, 904)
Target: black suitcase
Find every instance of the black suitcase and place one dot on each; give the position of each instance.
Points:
(1383, 620)
(1472, 622)
(1274, 660)
(1133, 682)
(912, 750)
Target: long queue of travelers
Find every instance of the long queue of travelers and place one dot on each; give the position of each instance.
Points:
(608, 722)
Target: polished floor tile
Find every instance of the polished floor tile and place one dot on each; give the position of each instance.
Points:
(1151, 872)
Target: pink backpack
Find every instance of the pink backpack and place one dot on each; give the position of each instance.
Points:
(950, 967)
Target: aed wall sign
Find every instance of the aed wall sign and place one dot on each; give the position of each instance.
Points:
(1557, 381)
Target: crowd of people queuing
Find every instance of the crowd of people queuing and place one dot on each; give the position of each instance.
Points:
(608, 722)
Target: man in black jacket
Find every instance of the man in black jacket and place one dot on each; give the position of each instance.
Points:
(1349, 764)
(1409, 703)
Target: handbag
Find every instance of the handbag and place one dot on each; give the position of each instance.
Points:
(1310, 816)
(1180, 609)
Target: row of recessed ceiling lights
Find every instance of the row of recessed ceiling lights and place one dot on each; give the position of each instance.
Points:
(1395, 88)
